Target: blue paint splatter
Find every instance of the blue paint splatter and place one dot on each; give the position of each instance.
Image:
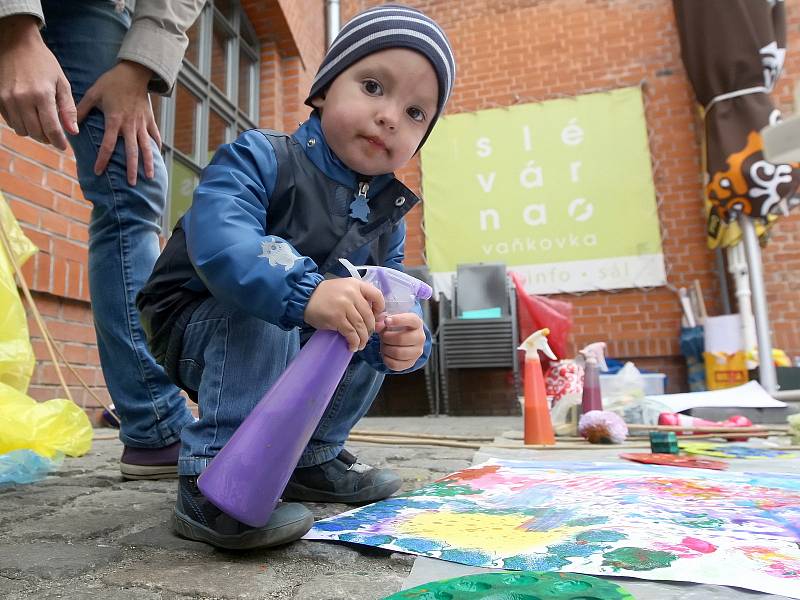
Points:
(534, 562)
(418, 545)
(368, 539)
(586, 521)
(600, 535)
(467, 557)
(570, 549)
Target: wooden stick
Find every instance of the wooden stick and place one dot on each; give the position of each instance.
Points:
(48, 338)
(37, 317)
(427, 436)
(454, 444)
(105, 405)
(701, 302)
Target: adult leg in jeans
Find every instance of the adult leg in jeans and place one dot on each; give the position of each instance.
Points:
(123, 231)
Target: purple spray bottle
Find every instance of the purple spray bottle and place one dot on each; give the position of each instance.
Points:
(247, 477)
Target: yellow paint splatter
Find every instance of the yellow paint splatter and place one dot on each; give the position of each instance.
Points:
(499, 533)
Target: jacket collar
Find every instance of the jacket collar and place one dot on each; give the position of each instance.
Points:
(310, 137)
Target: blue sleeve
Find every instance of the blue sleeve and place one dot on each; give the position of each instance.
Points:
(372, 352)
(226, 236)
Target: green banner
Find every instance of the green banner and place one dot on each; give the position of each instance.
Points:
(560, 191)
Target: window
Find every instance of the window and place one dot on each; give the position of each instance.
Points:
(215, 97)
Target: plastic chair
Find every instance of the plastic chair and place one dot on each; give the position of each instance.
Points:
(467, 343)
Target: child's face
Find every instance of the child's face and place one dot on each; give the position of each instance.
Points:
(375, 113)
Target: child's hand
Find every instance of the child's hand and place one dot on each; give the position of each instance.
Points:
(346, 305)
(402, 340)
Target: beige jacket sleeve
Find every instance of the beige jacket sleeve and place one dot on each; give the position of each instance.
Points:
(22, 7)
(157, 38)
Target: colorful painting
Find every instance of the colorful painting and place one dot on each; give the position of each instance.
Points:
(733, 450)
(645, 521)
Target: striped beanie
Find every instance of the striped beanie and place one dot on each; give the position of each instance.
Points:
(381, 28)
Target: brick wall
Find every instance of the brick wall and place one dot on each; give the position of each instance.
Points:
(518, 51)
(508, 51)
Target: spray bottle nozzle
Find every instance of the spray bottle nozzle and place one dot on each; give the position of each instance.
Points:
(537, 341)
(400, 290)
(596, 352)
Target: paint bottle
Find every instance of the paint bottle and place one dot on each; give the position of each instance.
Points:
(538, 429)
(594, 357)
(247, 477)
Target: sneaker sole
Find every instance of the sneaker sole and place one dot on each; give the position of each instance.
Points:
(148, 472)
(294, 491)
(186, 528)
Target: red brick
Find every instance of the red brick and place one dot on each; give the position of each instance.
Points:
(70, 250)
(24, 212)
(59, 183)
(33, 172)
(47, 155)
(53, 223)
(22, 188)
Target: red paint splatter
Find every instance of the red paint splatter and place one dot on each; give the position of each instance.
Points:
(698, 545)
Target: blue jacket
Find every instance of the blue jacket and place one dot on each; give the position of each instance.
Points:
(260, 234)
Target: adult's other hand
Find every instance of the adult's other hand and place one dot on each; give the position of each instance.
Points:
(35, 96)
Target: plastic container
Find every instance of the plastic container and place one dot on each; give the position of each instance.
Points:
(654, 383)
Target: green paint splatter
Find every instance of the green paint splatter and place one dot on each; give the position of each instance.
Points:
(600, 535)
(700, 521)
(637, 559)
(443, 489)
(555, 586)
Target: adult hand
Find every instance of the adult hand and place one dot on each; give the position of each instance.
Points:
(121, 93)
(35, 96)
(402, 340)
(346, 305)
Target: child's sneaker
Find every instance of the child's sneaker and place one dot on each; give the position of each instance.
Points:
(150, 463)
(196, 518)
(342, 479)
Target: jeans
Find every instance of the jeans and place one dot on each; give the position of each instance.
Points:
(123, 230)
(231, 359)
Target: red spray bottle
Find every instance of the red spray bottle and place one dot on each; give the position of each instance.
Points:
(536, 413)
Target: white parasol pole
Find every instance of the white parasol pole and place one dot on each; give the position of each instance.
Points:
(766, 368)
(737, 267)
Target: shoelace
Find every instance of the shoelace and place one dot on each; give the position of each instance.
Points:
(359, 467)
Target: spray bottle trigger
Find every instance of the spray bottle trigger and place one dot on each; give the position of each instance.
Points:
(537, 341)
(350, 267)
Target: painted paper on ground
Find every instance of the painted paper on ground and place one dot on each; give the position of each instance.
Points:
(650, 522)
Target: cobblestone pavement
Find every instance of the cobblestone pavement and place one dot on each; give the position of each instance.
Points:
(85, 533)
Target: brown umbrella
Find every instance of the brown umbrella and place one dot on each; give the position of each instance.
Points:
(733, 51)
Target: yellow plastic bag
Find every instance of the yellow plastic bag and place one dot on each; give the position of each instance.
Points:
(16, 354)
(45, 427)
